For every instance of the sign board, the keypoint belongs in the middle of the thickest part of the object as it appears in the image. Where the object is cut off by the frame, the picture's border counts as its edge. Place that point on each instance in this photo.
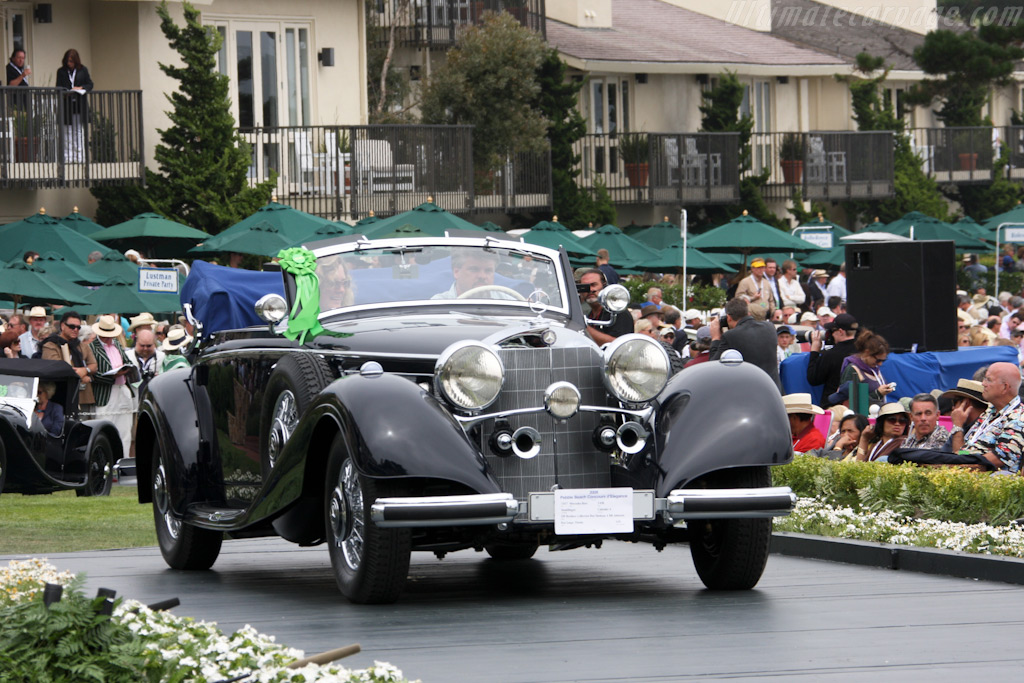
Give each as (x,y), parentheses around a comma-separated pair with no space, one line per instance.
(1015,234)
(160,280)
(819,238)
(593,511)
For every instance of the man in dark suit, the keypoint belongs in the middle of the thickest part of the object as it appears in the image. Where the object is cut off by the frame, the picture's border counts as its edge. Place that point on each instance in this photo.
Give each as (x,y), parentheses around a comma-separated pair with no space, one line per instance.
(756,340)
(826,367)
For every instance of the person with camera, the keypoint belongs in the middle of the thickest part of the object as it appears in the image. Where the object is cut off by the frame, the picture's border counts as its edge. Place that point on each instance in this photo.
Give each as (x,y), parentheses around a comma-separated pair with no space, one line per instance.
(754,339)
(591,282)
(825,367)
(145,355)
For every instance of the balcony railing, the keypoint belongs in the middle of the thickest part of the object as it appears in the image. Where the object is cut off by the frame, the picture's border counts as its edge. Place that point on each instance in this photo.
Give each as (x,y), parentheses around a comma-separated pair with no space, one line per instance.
(825,165)
(347,171)
(54,138)
(967,155)
(438,24)
(678,168)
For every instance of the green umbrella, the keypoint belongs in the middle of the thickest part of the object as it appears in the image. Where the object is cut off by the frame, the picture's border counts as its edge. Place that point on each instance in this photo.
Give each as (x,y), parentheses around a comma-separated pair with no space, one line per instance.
(54,263)
(671,260)
(835,256)
(118,295)
(367,220)
(153,234)
(296,225)
(27,284)
(114,264)
(927,228)
(623,250)
(428,217)
(261,239)
(660,235)
(746,234)
(972,228)
(491,227)
(81,224)
(41,233)
(326,232)
(1014,215)
(554,235)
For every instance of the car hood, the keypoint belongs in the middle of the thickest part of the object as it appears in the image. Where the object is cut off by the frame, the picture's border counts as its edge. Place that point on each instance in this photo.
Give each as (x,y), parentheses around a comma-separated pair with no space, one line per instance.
(429,335)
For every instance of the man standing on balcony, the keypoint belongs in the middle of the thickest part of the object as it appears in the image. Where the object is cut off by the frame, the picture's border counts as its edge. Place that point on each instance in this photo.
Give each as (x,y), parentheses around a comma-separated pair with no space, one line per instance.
(755,290)
(17,72)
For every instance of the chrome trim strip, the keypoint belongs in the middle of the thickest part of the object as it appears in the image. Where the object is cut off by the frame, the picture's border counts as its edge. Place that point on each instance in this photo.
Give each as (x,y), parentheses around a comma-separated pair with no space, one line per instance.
(432,511)
(775,501)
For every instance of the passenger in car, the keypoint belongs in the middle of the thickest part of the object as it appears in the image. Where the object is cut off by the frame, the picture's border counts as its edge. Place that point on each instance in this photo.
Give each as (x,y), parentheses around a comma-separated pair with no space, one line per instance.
(336,288)
(51,414)
(472,268)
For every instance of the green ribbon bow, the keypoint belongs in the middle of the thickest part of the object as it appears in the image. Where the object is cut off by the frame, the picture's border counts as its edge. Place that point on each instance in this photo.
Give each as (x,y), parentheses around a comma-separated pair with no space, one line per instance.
(302,320)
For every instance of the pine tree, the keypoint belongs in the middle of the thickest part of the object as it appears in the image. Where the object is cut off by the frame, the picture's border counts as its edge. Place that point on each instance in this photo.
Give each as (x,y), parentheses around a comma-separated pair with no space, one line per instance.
(203,163)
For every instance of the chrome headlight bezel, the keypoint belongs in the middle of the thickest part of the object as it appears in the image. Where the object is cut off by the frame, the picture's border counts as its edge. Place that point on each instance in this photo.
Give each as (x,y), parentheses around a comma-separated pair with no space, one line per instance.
(450,371)
(635,353)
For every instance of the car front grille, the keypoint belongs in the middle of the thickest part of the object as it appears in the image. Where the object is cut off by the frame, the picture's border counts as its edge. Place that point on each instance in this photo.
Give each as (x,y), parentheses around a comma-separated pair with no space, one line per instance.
(528,372)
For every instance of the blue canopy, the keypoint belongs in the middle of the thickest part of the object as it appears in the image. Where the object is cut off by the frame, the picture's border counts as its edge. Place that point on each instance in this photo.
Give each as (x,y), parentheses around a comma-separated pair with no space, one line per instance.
(914,373)
(222,298)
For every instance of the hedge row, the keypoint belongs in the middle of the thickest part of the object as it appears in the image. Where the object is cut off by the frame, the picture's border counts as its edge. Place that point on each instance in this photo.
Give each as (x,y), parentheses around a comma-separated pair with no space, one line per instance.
(944,493)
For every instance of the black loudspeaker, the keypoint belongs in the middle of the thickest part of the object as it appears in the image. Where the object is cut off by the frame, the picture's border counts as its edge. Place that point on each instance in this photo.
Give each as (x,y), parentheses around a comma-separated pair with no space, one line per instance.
(904,291)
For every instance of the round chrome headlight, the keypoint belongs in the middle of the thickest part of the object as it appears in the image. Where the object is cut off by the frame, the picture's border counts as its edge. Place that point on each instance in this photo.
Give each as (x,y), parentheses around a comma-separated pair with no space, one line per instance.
(469,375)
(636,368)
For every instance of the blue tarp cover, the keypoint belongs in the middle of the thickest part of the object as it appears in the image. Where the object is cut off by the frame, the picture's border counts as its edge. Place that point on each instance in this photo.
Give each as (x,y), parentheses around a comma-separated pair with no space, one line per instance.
(222,298)
(914,373)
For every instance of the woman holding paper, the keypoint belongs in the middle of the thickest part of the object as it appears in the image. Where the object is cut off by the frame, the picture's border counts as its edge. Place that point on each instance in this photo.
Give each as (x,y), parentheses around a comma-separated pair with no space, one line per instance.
(74,77)
(114,372)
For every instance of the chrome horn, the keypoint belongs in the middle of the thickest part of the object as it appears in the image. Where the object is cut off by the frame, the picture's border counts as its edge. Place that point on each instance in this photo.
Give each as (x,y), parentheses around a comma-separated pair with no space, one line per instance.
(631,438)
(526,442)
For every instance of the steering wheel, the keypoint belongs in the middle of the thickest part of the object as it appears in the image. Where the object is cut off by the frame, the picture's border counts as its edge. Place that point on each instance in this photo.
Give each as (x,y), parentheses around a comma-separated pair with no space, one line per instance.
(491,288)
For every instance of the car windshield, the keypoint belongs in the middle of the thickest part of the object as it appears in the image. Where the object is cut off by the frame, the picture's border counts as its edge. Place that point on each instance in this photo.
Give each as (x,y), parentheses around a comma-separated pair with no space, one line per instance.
(19,393)
(427,274)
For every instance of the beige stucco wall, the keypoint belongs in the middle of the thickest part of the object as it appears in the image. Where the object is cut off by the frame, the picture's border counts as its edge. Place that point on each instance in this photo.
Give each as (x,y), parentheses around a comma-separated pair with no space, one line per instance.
(583,13)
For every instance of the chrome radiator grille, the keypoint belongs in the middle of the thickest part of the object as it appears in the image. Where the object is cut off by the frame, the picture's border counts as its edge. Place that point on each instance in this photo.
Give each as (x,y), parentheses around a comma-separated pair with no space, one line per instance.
(528,372)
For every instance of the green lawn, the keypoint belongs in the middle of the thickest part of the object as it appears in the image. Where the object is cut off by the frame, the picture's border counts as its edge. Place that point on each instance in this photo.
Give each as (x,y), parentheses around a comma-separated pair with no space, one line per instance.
(62,522)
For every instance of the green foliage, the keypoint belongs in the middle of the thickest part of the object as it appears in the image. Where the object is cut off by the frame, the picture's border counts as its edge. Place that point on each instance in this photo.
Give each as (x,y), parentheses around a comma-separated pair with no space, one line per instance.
(1012,281)
(983,201)
(386,99)
(203,162)
(944,493)
(634,148)
(914,190)
(792,147)
(702,297)
(798,213)
(490,82)
(71,641)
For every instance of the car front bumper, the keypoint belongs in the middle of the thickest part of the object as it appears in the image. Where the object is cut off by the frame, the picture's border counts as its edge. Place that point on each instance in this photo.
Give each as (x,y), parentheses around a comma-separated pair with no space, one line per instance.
(542,507)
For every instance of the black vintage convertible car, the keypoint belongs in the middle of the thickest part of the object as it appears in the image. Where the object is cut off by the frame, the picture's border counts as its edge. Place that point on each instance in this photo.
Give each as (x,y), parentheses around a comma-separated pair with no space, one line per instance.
(440,394)
(80,455)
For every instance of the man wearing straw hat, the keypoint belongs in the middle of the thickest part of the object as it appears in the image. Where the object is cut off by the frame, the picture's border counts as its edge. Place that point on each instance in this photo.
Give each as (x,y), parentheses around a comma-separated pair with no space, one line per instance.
(176,340)
(968,405)
(756,291)
(801,412)
(114,372)
(32,339)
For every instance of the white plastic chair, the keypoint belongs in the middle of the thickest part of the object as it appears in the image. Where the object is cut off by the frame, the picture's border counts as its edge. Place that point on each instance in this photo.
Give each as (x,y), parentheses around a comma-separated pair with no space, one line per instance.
(375,167)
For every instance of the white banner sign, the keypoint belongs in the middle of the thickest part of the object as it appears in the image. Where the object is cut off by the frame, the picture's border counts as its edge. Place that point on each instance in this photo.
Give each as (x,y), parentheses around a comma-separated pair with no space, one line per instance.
(818,238)
(161,280)
(1013,235)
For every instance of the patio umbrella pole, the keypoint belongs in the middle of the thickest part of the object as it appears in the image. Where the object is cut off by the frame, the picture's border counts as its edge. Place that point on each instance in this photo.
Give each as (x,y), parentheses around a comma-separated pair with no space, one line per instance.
(682,229)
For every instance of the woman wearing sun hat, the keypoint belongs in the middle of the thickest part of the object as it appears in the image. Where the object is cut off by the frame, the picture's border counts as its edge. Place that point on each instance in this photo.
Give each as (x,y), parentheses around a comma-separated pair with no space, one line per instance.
(177,339)
(886,435)
(111,382)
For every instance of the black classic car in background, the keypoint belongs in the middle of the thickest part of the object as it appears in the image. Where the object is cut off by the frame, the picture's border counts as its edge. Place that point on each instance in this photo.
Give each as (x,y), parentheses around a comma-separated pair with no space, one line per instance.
(446,398)
(81,456)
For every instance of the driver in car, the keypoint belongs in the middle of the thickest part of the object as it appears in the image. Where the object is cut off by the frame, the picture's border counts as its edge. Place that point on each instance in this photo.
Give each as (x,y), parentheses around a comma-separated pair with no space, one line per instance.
(472,269)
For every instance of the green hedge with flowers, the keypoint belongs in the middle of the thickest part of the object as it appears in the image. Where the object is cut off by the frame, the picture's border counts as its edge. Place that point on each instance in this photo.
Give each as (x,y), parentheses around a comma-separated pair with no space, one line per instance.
(942,493)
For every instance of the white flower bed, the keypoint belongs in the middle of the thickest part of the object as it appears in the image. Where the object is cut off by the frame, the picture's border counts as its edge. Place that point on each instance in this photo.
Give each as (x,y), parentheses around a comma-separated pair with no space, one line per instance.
(813,517)
(200,651)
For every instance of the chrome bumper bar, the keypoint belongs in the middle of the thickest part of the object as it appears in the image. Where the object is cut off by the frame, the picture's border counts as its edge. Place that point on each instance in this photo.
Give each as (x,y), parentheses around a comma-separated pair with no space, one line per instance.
(776,501)
(498,508)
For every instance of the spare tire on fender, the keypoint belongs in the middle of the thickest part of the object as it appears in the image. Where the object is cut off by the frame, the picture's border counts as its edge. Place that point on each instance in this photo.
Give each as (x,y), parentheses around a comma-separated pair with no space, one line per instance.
(294,383)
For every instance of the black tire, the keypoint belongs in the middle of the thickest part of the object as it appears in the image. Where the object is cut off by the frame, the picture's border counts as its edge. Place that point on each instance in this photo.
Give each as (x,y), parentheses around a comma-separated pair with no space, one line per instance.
(99,469)
(730,554)
(293,385)
(505,552)
(183,546)
(370,564)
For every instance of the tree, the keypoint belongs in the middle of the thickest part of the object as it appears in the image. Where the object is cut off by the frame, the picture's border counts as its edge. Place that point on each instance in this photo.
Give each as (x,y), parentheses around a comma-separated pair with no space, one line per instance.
(913,189)
(203,162)
(490,82)
(387,84)
(720,113)
(575,206)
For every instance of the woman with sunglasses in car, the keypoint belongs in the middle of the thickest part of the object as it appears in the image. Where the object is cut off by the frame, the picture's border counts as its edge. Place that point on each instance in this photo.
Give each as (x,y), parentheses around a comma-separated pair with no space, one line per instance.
(865,365)
(886,435)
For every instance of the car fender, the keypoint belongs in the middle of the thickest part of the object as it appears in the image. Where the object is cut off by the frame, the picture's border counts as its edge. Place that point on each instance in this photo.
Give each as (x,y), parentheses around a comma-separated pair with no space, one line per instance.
(168,417)
(85,434)
(717,415)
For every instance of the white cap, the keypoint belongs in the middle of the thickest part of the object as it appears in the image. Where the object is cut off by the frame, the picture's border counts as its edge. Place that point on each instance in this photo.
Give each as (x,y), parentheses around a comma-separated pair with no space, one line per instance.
(825,310)
(691,313)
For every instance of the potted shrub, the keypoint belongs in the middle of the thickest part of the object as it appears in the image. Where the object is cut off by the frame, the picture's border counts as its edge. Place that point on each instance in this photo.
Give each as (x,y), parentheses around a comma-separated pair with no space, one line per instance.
(26,137)
(635,154)
(791,156)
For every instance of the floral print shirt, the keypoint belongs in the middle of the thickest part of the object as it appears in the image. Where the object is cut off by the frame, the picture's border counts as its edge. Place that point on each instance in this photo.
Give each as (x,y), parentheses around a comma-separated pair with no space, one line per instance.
(934,441)
(1001,432)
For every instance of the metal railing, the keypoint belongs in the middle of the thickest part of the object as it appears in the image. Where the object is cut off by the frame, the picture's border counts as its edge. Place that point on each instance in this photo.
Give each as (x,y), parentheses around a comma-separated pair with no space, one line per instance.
(438,24)
(968,154)
(348,171)
(825,164)
(54,138)
(671,169)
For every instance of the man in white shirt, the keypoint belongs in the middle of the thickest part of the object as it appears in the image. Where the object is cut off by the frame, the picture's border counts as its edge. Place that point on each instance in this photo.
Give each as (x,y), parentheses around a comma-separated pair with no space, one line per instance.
(837,287)
(790,289)
(32,339)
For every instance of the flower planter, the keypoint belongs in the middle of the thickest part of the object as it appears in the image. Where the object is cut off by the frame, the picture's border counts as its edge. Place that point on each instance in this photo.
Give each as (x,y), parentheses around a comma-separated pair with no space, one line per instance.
(968,161)
(637,174)
(26,149)
(792,171)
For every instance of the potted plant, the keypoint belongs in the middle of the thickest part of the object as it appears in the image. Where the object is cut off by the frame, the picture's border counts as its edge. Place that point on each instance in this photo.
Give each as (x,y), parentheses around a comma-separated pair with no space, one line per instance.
(634,150)
(791,156)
